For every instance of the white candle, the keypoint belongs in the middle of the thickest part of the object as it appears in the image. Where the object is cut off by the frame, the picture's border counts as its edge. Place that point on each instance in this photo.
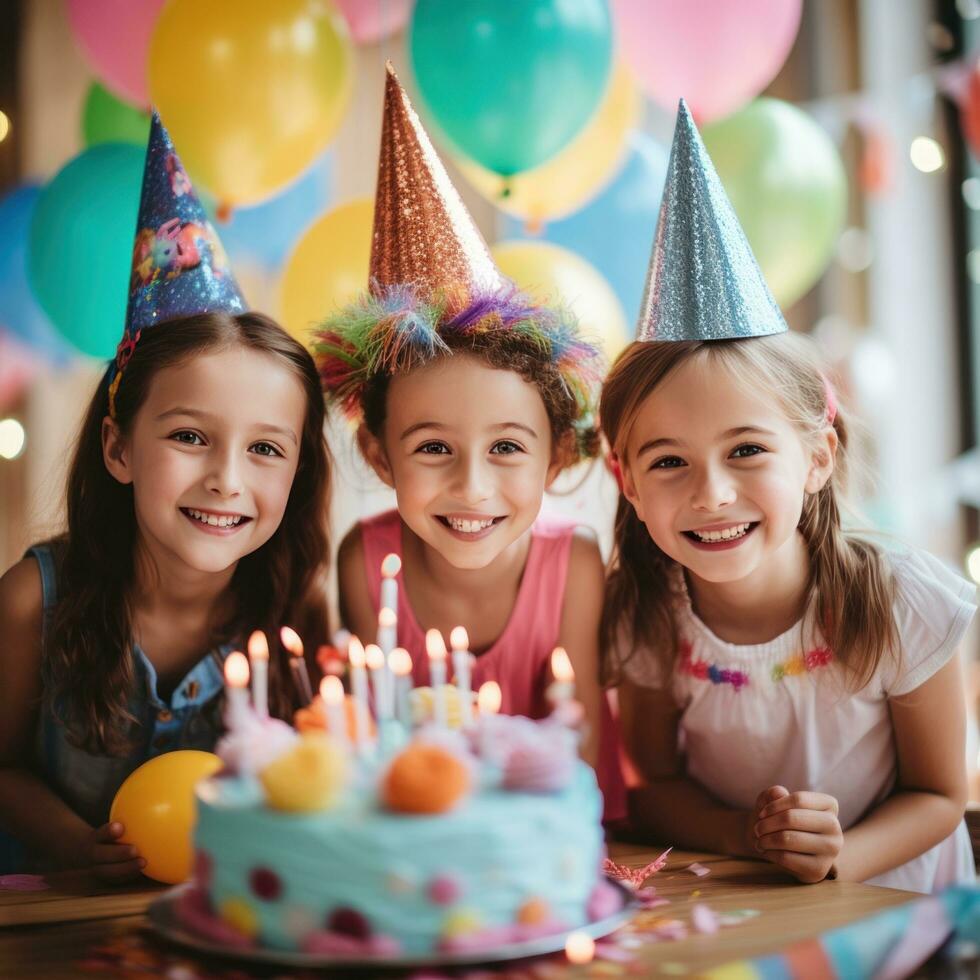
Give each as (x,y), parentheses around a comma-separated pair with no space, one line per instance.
(435,647)
(460,641)
(297,663)
(564,684)
(488,700)
(358,689)
(387,630)
(332,694)
(376,663)
(258,655)
(236,689)
(400,665)
(390,568)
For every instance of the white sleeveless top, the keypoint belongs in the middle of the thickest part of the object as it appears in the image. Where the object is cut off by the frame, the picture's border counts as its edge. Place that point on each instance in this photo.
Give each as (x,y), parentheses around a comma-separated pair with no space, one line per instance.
(776,713)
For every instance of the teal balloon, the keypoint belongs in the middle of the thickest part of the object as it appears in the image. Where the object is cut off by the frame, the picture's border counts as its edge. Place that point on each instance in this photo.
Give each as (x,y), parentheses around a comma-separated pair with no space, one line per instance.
(81,245)
(511,82)
(787,183)
(107,120)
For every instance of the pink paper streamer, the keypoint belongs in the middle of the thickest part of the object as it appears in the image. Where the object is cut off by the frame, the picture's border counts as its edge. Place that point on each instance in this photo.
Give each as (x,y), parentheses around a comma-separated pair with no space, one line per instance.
(23,883)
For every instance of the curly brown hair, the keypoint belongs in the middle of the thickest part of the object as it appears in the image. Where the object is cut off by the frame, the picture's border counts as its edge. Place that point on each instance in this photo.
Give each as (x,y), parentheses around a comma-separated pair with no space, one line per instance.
(573,425)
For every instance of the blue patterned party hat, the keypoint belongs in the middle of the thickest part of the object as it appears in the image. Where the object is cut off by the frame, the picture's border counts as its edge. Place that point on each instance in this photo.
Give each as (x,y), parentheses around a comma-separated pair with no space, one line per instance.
(179,265)
(703,282)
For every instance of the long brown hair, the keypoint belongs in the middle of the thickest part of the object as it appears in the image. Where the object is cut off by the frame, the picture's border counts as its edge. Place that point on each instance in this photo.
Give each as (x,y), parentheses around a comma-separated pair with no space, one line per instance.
(850,591)
(87,670)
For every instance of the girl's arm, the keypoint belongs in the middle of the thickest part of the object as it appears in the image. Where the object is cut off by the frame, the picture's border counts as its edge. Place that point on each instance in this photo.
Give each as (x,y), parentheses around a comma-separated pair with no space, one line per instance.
(670,806)
(356,611)
(931,792)
(579,632)
(28,808)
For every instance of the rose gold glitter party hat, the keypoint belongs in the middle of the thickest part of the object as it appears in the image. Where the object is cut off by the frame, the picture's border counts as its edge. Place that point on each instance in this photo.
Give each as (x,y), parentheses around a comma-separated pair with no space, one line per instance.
(423,234)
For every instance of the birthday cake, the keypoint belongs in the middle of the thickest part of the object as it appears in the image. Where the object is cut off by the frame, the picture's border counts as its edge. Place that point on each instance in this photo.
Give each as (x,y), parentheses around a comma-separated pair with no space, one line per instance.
(391,840)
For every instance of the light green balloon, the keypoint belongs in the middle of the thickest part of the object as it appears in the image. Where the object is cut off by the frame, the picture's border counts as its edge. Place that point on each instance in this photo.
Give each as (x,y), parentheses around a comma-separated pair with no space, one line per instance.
(107,120)
(788,186)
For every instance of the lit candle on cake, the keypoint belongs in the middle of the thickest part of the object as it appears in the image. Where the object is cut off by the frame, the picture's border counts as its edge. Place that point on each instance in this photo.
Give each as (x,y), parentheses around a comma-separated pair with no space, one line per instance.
(376,664)
(390,568)
(400,665)
(292,642)
(488,700)
(435,647)
(236,690)
(563,686)
(332,693)
(387,630)
(358,689)
(460,641)
(258,655)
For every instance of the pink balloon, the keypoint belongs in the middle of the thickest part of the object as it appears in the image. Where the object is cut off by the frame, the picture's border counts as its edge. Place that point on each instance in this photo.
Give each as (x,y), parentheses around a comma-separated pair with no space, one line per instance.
(716,54)
(115,37)
(372,20)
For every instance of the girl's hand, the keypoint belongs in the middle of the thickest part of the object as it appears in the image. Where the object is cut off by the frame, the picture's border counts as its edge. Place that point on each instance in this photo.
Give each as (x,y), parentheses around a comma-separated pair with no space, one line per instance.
(798,831)
(109,859)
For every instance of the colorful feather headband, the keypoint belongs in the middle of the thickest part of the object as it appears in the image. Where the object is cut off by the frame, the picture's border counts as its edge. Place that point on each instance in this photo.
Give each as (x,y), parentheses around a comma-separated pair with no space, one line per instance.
(397,329)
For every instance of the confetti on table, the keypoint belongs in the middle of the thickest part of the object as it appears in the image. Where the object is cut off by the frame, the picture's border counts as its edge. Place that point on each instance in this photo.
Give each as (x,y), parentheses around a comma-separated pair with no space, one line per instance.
(698,869)
(23,883)
(613,953)
(704,919)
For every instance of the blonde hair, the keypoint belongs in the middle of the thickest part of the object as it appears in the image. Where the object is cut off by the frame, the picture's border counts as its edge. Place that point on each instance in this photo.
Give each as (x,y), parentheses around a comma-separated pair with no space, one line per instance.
(850,592)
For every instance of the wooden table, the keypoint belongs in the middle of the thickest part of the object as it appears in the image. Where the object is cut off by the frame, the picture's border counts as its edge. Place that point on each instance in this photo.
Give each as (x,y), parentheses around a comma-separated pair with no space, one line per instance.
(49,933)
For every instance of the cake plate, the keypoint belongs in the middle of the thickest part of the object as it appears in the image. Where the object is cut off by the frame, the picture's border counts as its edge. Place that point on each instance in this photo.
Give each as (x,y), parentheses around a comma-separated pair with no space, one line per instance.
(163,918)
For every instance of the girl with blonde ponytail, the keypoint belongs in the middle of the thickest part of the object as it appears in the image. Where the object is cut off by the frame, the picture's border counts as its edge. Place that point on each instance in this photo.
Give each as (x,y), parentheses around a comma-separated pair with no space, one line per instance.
(788,689)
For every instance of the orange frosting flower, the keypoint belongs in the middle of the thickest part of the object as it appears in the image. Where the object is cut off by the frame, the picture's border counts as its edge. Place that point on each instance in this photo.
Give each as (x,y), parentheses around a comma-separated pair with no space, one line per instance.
(425,779)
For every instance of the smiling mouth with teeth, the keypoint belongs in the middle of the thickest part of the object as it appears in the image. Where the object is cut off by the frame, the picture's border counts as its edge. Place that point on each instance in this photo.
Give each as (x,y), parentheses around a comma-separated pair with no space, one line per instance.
(468,526)
(214,520)
(732,533)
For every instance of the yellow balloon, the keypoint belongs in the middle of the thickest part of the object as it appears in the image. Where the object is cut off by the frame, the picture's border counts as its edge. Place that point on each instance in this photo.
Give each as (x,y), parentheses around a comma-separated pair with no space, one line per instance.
(328,267)
(156,807)
(572,178)
(250,91)
(550,272)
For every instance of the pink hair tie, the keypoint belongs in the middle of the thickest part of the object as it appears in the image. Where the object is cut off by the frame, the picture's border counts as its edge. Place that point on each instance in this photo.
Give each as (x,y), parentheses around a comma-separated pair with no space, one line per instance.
(831,399)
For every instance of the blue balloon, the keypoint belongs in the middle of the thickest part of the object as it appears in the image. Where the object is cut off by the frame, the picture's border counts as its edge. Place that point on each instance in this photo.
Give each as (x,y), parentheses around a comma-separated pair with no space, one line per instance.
(81,245)
(19,310)
(615,230)
(267,233)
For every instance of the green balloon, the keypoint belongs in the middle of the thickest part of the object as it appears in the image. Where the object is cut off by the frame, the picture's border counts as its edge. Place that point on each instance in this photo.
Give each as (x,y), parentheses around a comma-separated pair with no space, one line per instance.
(511,83)
(107,120)
(81,245)
(787,184)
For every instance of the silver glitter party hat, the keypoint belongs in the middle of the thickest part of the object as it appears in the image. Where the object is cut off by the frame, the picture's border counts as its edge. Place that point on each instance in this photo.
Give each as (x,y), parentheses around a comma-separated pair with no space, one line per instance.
(703,282)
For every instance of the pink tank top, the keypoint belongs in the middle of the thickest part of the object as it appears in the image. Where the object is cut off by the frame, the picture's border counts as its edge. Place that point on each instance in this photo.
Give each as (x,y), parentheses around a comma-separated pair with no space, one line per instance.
(519,660)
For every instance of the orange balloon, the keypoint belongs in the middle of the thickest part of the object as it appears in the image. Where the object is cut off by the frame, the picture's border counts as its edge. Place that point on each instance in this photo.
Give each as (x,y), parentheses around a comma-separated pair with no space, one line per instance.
(156,807)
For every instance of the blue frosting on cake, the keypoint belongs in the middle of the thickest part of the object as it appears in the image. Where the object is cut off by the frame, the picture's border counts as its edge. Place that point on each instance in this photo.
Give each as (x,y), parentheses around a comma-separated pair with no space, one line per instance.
(500,858)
